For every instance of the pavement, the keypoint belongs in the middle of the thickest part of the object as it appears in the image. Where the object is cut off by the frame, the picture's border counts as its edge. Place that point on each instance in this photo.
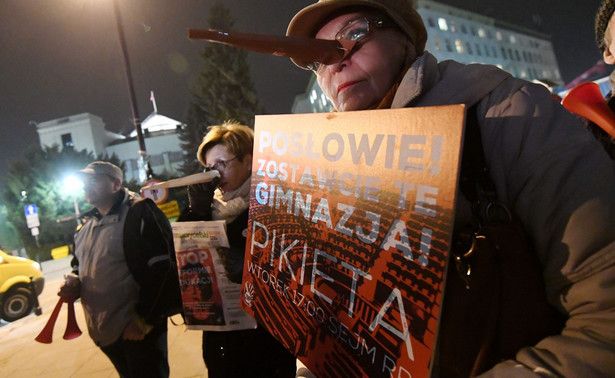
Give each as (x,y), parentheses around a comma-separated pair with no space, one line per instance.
(22,356)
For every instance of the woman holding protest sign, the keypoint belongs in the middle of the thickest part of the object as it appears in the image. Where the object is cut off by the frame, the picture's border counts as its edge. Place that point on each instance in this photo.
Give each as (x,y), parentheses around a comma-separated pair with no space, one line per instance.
(227,148)
(539,164)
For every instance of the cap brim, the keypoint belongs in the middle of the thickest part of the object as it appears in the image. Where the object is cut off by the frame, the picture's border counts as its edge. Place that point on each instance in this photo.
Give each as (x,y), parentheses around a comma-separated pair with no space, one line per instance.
(87,171)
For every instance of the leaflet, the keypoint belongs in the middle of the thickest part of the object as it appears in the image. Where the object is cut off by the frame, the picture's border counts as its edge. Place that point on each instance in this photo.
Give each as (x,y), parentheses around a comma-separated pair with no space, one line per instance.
(210,299)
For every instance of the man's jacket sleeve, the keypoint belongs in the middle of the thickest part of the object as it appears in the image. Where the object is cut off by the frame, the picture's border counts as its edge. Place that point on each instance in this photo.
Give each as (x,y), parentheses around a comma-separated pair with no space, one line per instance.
(149,250)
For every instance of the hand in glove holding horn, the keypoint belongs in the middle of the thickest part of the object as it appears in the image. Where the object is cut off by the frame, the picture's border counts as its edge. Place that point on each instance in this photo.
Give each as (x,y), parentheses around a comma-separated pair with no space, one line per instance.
(71,288)
(201,197)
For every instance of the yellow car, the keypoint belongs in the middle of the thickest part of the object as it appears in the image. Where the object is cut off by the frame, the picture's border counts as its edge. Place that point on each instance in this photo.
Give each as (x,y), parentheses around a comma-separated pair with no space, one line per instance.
(16,297)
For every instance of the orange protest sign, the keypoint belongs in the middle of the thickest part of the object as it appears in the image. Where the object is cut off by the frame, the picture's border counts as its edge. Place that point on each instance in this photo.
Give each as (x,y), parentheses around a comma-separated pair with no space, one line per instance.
(351,217)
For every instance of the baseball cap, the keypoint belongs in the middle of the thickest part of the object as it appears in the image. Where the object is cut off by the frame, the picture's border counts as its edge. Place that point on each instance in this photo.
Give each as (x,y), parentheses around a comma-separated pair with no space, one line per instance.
(103,168)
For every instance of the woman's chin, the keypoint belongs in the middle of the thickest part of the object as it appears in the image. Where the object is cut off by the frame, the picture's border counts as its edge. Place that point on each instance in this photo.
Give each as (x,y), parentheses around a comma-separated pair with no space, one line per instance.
(354,104)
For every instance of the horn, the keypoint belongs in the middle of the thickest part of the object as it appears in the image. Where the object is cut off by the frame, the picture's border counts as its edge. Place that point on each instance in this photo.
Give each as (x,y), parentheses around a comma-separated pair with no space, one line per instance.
(46,334)
(586,100)
(196,178)
(306,49)
(72,328)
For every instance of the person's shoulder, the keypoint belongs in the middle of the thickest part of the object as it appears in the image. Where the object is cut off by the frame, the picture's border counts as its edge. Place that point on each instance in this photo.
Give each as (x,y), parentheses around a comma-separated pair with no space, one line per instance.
(142,203)
(86,217)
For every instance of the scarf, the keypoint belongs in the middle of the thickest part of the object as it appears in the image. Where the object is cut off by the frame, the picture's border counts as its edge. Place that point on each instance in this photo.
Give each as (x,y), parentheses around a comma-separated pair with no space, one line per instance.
(387,100)
(227,206)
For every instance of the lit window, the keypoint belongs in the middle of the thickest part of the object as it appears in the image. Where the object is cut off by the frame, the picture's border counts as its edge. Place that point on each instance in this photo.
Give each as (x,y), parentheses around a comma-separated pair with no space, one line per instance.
(313,96)
(442,24)
(498,36)
(482,33)
(459,46)
(513,39)
(323,99)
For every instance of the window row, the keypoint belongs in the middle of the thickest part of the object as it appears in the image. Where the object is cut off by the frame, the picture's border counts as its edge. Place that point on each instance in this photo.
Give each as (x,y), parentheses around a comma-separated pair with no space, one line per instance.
(486,50)
(481,32)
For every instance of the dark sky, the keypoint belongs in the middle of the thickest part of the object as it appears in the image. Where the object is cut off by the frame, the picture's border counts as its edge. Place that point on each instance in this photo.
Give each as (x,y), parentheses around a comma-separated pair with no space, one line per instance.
(62,57)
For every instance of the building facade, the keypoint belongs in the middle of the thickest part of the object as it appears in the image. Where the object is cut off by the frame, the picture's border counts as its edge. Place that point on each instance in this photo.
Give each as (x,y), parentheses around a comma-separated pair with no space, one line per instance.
(87,131)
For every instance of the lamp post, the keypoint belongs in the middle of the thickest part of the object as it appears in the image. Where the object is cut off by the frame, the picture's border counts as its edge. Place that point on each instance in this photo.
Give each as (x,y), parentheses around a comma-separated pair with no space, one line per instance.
(144,170)
(72,186)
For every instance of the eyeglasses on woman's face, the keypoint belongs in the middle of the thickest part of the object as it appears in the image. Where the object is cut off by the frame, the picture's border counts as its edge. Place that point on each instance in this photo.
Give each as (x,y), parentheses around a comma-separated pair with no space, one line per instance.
(220,165)
(356,30)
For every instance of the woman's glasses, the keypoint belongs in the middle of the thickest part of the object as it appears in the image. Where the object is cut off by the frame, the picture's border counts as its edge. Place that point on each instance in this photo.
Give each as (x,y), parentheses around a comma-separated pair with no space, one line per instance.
(221,164)
(355,30)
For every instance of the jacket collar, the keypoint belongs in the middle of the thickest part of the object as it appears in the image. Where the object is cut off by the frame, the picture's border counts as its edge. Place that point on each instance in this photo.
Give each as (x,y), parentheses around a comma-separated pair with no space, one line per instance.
(429,83)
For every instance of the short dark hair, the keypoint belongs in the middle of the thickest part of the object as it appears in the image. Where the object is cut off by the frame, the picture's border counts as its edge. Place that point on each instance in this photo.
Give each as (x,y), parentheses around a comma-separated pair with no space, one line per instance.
(602,22)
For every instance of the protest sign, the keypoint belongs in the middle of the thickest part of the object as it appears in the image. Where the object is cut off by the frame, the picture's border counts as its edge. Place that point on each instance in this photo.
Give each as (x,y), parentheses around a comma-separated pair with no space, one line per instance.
(210,300)
(351,217)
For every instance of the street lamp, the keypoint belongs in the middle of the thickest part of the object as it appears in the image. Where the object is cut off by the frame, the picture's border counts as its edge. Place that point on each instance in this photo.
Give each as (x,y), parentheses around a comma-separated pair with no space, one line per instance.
(72,187)
(144,170)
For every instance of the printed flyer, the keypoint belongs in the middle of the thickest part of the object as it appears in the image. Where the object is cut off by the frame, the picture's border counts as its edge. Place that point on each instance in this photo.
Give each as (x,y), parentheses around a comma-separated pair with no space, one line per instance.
(210,300)
(351,217)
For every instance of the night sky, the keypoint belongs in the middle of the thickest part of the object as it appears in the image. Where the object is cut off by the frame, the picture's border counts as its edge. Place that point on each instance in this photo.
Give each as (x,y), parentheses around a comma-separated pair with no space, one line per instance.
(62,57)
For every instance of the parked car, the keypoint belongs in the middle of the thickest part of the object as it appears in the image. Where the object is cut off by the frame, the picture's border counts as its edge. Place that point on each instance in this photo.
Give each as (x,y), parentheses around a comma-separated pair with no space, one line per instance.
(16,299)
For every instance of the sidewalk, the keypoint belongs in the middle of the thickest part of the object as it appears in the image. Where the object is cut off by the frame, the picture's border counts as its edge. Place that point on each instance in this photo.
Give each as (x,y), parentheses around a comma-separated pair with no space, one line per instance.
(22,356)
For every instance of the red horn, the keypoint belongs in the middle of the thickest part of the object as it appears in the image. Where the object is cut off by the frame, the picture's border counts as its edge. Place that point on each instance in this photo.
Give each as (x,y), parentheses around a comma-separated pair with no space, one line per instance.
(72,328)
(46,334)
(586,100)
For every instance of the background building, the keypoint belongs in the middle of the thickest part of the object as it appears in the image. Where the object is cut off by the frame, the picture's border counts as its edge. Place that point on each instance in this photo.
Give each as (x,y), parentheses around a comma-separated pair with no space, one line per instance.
(87,131)
(468,37)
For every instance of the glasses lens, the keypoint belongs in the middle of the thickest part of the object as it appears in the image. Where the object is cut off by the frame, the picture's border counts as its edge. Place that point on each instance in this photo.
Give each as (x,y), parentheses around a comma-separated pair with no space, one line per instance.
(315,66)
(219,165)
(355,30)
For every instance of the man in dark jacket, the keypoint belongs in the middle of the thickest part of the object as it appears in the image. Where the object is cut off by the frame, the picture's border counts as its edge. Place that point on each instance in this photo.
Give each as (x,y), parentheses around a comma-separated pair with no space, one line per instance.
(126,275)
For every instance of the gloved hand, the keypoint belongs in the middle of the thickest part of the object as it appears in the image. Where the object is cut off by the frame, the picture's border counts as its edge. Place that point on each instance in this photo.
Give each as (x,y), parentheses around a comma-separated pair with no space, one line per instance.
(71,288)
(201,197)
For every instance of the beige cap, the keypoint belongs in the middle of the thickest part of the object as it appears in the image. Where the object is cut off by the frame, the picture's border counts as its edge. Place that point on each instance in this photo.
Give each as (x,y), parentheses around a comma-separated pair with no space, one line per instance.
(402,12)
(103,168)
